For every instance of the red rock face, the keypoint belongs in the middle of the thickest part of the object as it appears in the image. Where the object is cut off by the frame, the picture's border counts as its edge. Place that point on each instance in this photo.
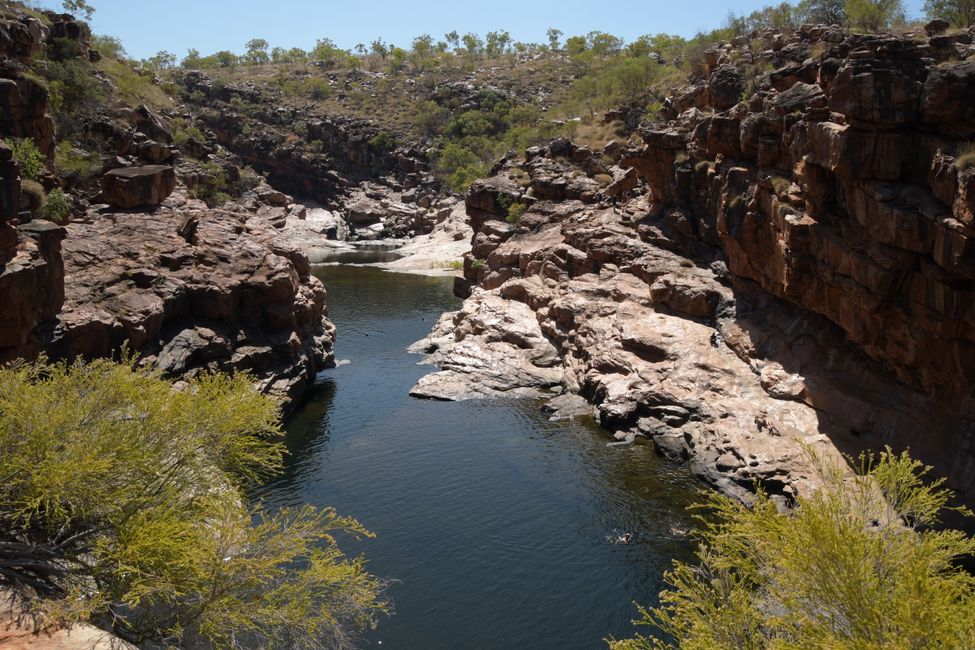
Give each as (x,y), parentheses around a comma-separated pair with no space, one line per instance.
(226,294)
(858,213)
(841,195)
(819,232)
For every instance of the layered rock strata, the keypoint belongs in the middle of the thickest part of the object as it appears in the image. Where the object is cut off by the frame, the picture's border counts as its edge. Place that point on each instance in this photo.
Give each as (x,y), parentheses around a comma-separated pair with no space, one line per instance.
(31,269)
(786,266)
(191,289)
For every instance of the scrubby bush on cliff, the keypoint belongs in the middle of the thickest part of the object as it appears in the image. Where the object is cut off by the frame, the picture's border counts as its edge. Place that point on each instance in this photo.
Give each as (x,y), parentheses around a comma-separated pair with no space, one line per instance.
(856,565)
(961,13)
(31,197)
(28,157)
(122,503)
(874,15)
(55,206)
(74,165)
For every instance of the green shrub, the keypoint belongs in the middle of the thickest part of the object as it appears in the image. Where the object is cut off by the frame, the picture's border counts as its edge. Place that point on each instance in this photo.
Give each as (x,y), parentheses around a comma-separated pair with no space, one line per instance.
(28,157)
(55,207)
(75,94)
(108,46)
(858,564)
(515,210)
(382,142)
(183,134)
(123,504)
(459,167)
(316,88)
(75,163)
(874,15)
(212,185)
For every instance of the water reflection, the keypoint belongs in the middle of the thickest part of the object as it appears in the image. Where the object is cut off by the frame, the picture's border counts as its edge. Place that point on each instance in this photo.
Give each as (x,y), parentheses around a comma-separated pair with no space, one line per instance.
(498,525)
(363,253)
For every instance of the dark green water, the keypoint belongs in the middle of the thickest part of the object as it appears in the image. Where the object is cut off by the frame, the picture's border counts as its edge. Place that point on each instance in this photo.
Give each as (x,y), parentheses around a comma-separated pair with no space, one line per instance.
(497,526)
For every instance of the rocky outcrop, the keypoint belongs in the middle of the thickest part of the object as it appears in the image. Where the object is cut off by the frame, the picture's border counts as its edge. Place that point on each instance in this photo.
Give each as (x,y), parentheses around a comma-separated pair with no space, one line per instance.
(191,289)
(795,269)
(348,166)
(23,99)
(134,187)
(183,287)
(31,270)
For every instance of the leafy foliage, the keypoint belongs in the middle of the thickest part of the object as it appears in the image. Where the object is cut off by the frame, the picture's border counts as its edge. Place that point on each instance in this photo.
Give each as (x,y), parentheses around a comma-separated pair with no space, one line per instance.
(28,157)
(75,165)
(78,7)
(856,565)
(55,206)
(121,503)
(874,15)
(960,13)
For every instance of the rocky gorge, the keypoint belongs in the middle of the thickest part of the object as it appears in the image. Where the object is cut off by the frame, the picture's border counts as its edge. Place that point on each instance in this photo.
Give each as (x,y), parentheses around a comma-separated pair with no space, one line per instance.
(782,272)
(784,265)
(738,260)
(142,268)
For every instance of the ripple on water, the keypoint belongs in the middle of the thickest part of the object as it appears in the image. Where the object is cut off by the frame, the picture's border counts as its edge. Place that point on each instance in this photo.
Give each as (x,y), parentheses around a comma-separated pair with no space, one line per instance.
(497,525)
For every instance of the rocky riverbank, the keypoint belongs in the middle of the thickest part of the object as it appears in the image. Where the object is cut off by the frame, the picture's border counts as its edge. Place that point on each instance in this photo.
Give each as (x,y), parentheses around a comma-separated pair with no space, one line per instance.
(138,264)
(785,265)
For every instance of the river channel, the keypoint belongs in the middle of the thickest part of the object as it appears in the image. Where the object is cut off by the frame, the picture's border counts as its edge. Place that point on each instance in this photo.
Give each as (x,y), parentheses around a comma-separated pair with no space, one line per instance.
(498,528)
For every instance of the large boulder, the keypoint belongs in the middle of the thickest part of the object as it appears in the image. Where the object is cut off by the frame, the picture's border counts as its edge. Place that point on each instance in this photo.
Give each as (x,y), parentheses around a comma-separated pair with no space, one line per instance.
(132,187)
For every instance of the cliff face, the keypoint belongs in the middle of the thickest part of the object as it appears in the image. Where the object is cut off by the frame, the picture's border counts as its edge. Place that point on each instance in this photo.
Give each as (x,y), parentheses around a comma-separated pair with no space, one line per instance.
(838,189)
(192,288)
(31,269)
(336,161)
(183,286)
(787,262)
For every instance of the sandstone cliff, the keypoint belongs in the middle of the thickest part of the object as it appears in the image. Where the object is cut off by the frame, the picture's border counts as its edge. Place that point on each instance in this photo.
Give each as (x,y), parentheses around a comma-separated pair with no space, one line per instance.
(138,264)
(378,187)
(786,263)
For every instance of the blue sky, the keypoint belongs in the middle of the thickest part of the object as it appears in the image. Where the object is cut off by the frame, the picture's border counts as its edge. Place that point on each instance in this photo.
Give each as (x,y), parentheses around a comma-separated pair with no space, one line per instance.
(147,26)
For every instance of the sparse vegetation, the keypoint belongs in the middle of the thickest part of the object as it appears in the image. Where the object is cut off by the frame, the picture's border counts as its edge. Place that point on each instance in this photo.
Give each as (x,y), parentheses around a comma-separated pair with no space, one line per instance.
(29,158)
(122,504)
(211,185)
(183,134)
(859,564)
(74,164)
(55,206)
(32,197)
